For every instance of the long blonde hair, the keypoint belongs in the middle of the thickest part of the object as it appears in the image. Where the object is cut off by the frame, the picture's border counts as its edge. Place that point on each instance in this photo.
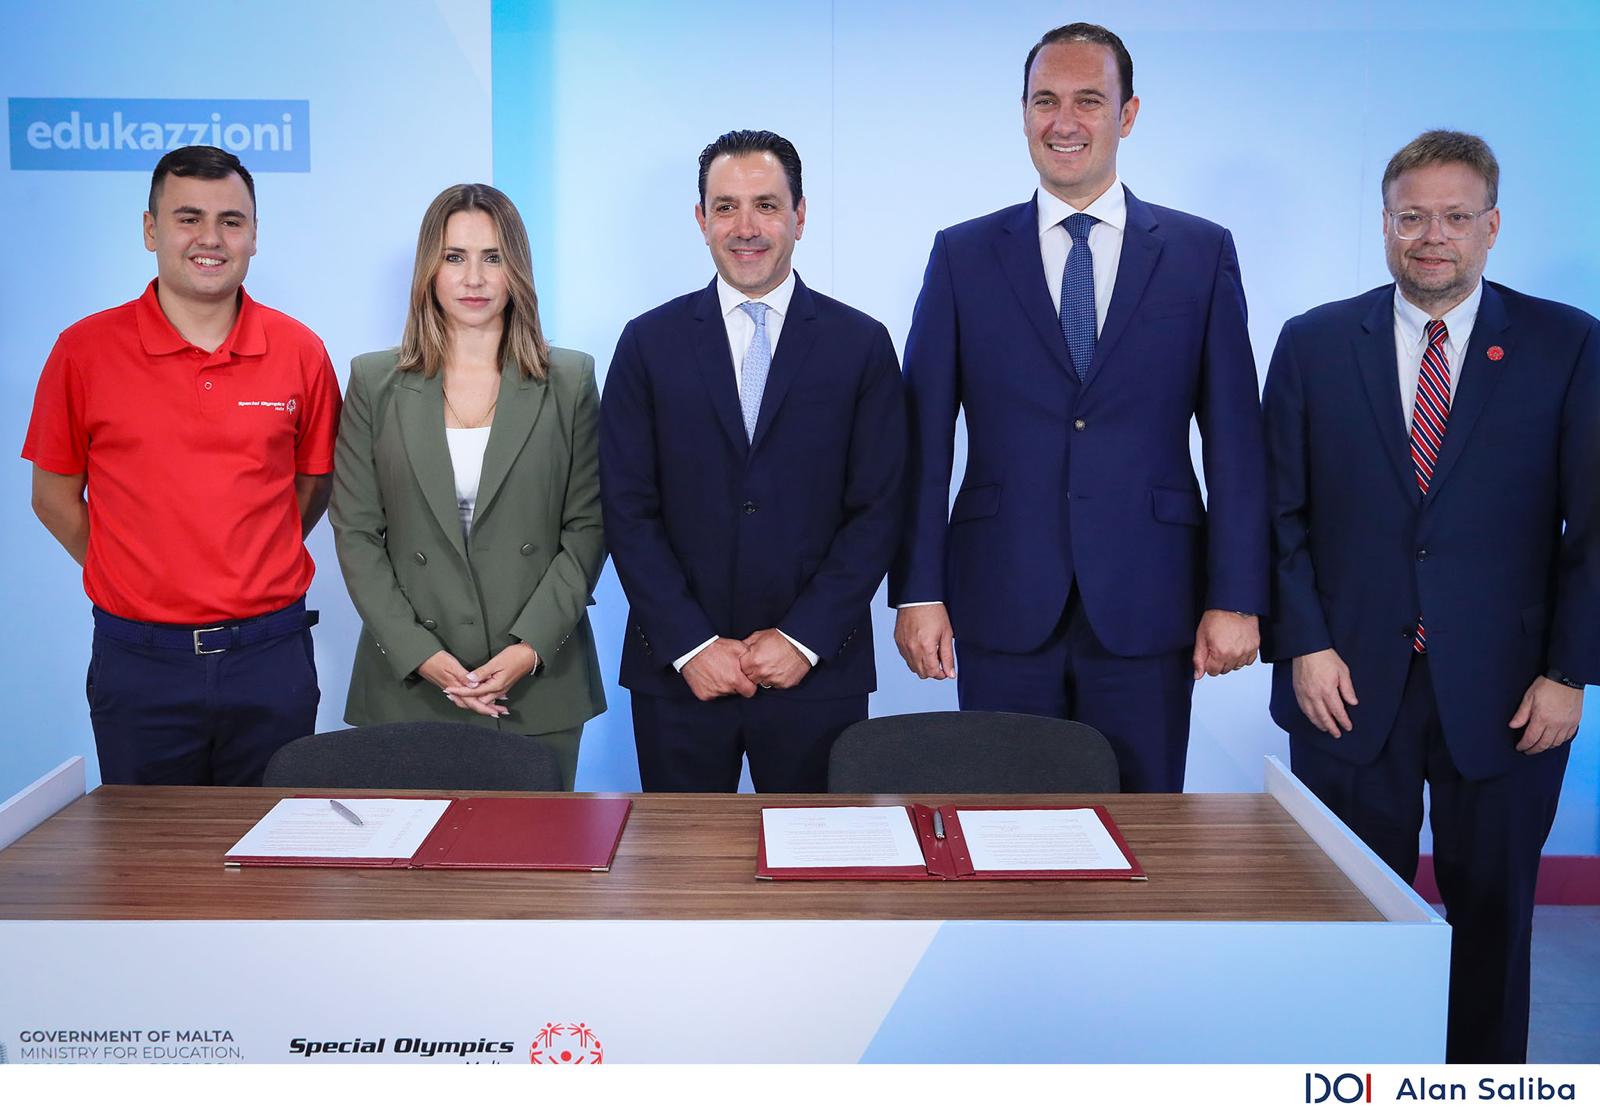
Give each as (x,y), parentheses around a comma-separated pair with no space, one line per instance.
(424,345)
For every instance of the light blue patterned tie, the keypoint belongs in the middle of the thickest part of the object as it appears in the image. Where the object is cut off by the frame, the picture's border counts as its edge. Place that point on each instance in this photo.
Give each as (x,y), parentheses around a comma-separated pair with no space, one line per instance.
(753,373)
(1077,294)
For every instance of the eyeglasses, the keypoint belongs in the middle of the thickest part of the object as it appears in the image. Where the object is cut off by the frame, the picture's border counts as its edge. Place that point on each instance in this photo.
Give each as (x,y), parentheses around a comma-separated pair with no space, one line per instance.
(1414,225)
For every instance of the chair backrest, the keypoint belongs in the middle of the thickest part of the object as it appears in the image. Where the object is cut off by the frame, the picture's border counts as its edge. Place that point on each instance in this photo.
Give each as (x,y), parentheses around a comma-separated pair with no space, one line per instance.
(414,755)
(971,753)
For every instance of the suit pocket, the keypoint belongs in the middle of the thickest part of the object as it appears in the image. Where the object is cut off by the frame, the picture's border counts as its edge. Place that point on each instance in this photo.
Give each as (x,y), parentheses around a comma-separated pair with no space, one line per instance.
(1177,506)
(976,502)
(1156,310)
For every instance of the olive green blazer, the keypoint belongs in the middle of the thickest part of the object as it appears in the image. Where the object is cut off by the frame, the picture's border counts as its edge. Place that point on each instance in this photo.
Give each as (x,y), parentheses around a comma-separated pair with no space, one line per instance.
(527,573)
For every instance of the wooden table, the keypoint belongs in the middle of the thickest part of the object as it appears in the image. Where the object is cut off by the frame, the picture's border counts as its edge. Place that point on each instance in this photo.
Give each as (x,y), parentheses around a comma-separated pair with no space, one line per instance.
(155,853)
(1249,942)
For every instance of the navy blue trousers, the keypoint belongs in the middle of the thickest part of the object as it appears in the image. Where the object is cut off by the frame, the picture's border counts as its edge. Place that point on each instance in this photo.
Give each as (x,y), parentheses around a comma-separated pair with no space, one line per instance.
(1141,704)
(165,714)
(1487,836)
(695,746)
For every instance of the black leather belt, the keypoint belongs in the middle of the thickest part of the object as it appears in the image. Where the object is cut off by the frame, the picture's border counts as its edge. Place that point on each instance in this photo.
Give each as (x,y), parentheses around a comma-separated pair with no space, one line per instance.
(208,639)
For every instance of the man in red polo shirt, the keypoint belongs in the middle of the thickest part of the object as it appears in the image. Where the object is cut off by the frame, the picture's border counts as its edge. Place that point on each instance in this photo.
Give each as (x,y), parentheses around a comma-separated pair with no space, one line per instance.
(201,425)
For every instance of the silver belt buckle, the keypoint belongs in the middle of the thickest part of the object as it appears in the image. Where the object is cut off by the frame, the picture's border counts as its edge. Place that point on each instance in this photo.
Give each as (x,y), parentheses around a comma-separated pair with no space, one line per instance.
(198,650)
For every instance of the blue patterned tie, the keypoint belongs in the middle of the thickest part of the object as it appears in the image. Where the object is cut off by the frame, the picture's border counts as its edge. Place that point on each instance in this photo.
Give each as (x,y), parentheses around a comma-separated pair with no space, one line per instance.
(1077,294)
(753,372)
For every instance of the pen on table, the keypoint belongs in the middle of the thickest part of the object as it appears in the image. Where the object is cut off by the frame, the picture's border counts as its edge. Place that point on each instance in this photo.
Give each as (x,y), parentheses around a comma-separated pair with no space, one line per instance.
(938,825)
(345,811)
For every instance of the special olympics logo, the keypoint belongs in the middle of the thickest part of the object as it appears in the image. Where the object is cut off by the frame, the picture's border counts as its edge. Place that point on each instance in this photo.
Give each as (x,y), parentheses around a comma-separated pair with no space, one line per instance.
(572,1043)
(291,406)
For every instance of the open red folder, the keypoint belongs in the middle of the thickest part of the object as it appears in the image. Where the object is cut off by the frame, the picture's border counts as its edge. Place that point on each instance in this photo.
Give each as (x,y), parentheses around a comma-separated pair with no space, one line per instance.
(949,858)
(502,833)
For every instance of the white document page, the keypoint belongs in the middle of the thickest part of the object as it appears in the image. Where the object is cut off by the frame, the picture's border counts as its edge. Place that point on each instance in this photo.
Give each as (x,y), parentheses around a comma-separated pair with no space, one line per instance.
(841,836)
(391,828)
(1039,840)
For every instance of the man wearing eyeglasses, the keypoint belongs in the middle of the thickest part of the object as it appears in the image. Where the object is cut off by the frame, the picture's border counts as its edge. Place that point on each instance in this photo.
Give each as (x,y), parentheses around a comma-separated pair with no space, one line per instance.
(1434,454)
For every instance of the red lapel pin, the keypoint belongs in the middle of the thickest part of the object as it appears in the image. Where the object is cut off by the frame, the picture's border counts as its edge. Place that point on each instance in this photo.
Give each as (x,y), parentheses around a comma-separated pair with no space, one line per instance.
(1496,354)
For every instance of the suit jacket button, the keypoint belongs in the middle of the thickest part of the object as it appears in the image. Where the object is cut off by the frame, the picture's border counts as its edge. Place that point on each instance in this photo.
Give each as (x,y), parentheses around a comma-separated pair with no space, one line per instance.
(422,560)
(430,625)
(1079,425)
(528,549)
(750,507)
(1422,554)
(1409,633)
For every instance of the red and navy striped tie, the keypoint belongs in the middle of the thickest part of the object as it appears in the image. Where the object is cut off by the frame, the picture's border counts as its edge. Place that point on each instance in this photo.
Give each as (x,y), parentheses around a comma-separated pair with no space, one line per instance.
(1428,419)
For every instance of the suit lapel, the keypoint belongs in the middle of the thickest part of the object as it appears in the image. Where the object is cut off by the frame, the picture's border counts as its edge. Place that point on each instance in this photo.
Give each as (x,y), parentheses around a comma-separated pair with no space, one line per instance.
(714,361)
(1141,246)
(794,345)
(1375,358)
(1479,376)
(1018,247)
(419,407)
(521,400)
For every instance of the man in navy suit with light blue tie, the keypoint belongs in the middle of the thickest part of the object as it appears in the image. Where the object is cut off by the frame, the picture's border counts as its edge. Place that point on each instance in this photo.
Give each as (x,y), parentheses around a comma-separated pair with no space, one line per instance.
(1434,451)
(752,461)
(1079,572)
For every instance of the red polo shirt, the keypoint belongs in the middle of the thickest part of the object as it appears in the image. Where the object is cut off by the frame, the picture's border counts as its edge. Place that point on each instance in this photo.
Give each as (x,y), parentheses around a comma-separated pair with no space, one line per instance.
(190,457)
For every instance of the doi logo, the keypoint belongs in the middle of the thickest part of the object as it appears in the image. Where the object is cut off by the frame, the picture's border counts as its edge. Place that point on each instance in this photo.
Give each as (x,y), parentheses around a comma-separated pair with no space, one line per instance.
(569,1043)
(1345,1087)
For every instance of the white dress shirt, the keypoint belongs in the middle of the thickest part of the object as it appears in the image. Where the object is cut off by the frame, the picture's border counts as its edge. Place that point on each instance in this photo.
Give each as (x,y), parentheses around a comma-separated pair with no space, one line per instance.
(1411,340)
(1105,246)
(741,330)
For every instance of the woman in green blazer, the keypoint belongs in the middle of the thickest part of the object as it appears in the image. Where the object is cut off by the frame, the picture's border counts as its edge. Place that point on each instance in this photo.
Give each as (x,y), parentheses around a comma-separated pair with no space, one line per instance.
(466,502)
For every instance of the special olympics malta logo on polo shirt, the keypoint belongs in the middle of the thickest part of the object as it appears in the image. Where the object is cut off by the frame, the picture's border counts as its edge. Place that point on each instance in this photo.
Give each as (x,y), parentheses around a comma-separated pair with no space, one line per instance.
(114,134)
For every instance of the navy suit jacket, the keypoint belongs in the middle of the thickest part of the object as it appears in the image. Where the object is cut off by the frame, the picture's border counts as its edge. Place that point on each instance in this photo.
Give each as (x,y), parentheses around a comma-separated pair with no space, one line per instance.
(1501,558)
(1088,482)
(716,535)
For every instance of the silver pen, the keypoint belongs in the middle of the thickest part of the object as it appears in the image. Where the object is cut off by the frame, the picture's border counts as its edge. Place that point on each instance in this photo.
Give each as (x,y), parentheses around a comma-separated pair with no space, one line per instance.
(938,825)
(347,813)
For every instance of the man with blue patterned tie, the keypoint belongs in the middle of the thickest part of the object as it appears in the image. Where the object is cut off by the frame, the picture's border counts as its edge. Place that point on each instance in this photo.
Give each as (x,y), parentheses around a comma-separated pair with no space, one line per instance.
(1079,574)
(1434,449)
(752,455)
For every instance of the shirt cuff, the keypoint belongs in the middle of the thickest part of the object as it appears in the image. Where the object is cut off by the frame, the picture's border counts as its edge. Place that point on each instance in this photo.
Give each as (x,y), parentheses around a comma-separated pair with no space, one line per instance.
(916,604)
(683,660)
(811,656)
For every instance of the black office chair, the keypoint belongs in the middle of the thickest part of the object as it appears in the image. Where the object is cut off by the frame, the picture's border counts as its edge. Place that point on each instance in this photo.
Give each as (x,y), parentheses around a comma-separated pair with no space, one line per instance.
(971,753)
(415,755)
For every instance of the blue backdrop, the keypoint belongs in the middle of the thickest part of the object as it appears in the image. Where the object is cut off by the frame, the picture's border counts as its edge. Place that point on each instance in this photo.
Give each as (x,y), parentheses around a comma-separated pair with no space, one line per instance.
(907,115)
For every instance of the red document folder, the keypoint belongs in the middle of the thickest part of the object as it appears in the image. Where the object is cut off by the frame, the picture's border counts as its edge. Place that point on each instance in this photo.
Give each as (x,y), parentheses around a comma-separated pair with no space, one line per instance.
(948,858)
(512,834)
